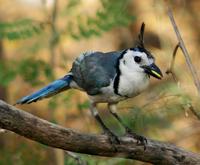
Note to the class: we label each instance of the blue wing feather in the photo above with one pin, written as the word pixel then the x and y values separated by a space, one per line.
pixel 53 88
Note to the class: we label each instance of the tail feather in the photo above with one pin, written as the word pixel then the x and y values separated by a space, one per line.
pixel 53 88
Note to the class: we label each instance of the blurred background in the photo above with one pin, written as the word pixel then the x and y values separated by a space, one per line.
pixel 39 39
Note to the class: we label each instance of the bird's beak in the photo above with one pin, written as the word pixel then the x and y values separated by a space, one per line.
pixel 153 70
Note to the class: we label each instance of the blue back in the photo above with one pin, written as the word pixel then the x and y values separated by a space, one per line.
pixel 92 71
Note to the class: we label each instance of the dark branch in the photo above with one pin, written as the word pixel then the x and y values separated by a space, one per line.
pixel 191 108
pixel 42 131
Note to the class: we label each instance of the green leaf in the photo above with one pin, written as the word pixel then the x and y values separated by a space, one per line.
pixel 114 13
pixel 20 29
pixel 7 74
pixel 84 105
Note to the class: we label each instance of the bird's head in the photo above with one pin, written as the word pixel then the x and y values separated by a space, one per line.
pixel 139 59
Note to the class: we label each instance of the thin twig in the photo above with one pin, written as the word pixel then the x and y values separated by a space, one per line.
pixel 170 70
pixel 76 157
pixel 185 52
pixel 191 108
pixel 187 58
pixel 54 33
pixel 158 98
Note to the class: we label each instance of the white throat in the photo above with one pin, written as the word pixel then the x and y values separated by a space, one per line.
pixel 131 82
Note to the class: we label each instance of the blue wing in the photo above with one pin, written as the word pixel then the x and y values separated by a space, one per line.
pixel 94 70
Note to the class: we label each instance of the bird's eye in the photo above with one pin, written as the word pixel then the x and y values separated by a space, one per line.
pixel 137 59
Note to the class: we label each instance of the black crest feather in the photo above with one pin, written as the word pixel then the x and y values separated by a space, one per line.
pixel 141 36
pixel 140 42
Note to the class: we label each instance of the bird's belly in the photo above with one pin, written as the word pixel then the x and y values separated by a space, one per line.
pixel 107 95
pixel 106 98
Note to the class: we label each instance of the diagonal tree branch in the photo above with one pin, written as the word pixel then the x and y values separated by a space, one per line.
pixel 42 131
pixel 187 58
pixel 185 52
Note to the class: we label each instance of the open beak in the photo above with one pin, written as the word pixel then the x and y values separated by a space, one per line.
pixel 152 70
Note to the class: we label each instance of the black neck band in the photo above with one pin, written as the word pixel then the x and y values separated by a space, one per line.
pixel 117 77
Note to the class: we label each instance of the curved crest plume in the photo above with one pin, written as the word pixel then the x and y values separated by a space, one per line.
pixel 141 36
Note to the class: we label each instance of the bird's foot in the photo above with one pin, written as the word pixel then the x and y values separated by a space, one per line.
pixel 141 140
pixel 114 139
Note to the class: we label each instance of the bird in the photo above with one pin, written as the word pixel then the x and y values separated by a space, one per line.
pixel 107 77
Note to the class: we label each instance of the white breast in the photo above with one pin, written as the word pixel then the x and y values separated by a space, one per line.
pixel 132 83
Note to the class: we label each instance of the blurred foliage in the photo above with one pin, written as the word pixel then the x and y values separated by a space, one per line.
pixel 20 156
pixel 113 13
pixel 58 100
pixel 20 29
pixel 92 160
pixel 29 69
pixel 83 106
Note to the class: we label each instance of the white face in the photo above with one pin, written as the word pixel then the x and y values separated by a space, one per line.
pixel 133 60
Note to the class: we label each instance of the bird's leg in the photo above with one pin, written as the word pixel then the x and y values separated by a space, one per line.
pixel 140 139
pixel 112 137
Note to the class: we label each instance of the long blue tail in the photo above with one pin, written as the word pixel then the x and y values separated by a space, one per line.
pixel 54 88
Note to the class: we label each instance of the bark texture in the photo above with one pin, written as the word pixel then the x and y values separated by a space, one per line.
pixel 42 131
